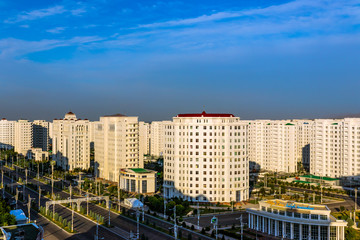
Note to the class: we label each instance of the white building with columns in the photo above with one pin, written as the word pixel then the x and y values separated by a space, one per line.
pixel 71 142
pixel 205 158
pixel 292 220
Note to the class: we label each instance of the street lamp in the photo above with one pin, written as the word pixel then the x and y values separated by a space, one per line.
pixel 52 178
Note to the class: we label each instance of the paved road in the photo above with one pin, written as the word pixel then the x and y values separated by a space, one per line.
pixel 349 201
pixel 85 228
pixel 121 224
pixel 227 219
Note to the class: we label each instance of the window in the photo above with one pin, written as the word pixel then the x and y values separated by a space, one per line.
pixel 314 216
pixel 305 215
pixel 323 217
pixel 289 214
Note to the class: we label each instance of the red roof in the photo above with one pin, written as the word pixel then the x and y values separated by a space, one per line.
pixel 70 113
pixel 115 115
pixel 204 114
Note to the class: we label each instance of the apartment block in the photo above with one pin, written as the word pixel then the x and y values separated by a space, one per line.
pixel 335 148
pixel 41 136
pixel 157 135
pixel 23 136
pixel 116 145
pixel 7 134
pixel 144 138
pixel 71 144
pixel 205 158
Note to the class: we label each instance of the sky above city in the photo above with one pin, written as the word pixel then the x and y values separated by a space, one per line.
pixel 154 59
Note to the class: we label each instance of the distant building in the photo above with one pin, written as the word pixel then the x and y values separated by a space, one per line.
pixel 23 136
pixel 116 145
pixel 38 154
pixel 144 138
pixel 71 145
pixel 7 134
pixel 157 137
pixel 292 220
pixel 279 145
pixel 205 158
pixel 41 135
pixel 335 148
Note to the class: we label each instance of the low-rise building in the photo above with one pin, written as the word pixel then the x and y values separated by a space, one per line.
pixel 138 180
pixel 293 220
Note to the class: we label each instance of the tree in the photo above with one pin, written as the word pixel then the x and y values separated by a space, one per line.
pixel 342 208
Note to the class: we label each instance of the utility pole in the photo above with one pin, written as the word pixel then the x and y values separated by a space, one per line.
pixel 355 199
pixel 198 215
pixel 175 225
pixel 87 203
pixel 39 196
pixel 109 211
pixel 38 173
pixel 26 173
pixel 16 197
pixel 137 223
pixel 119 201
pixel 164 208
pixel 80 183
pixel 52 179
pixel 2 183
pixel 29 206
pixel 72 211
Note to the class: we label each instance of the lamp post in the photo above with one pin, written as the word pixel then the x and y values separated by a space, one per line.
pixel 52 178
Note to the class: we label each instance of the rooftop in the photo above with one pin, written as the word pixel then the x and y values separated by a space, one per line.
pixel 116 115
pixel 204 114
pixel 319 178
pixel 28 231
pixel 295 205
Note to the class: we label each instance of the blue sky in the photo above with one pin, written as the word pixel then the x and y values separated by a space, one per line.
pixel 155 59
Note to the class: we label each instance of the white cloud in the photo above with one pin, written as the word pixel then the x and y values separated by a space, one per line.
pixel 36 14
pixel 56 30
pixel 11 47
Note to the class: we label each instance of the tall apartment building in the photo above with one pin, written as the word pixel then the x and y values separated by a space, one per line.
pixel 41 135
pixel 23 136
pixel 157 138
pixel 205 158
pixel 7 134
pixel 144 138
pixel 116 145
pixel 335 148
pixel 278 145
pixel 272 145
pixel 71 145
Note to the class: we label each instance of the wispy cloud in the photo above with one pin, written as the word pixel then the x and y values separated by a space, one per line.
pixel 56 30
pixel 11 47
pixel 45 12
pixel 36 14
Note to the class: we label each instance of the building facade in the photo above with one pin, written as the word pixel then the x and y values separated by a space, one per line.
pixel 279 145
pixel 335 148
pixel 71 145
pixel 138 180
pixel 205 158
pixel 157 136
pixel 41 136
pixel 298 221
pixel 23 136
pixel 116 145
pixel 7 134
pixel 144 138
